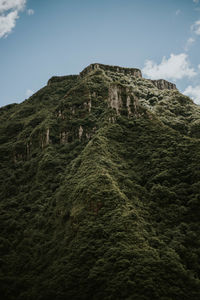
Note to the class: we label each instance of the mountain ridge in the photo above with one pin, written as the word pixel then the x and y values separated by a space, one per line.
pixel 160 83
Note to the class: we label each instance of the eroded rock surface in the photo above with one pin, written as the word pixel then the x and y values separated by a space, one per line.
pixel 162 84
pixel 126 71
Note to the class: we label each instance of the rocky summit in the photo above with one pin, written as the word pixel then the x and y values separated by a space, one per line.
pixel 100 190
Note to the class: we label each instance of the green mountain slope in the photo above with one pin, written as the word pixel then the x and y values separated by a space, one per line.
pixel 100 190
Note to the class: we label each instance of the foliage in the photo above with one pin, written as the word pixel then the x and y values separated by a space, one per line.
pixel 109 211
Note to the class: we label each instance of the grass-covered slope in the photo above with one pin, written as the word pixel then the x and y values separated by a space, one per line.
pixel 100 191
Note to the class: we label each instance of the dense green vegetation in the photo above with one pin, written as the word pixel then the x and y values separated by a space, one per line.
pixel 98 203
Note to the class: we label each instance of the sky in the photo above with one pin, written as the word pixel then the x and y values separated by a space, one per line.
pixel 43 38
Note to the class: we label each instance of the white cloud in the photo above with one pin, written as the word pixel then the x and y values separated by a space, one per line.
pixel 30 12
pixel 199 66
pixel 189 43
pixel 175 67
pixel 178 12
pixel 196 27
pixel 29 93
pixel 196 1
pixel 193 92
pixel 9 13
pixel 7 23
pixel 6 5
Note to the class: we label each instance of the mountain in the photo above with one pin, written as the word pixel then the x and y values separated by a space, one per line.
pixel 100 190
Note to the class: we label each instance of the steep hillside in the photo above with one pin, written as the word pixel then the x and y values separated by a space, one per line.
pixel 100 190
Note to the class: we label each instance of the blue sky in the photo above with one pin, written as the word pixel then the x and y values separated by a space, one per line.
pixel 42 38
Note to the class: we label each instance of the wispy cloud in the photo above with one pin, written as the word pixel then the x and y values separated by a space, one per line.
pixel 189 43
pixel 175 67
pixel 29 93
pixel 196 27
pixel 196 1
pixel 30 12
pixel 193 92
pixel 178 12
pixel 9 13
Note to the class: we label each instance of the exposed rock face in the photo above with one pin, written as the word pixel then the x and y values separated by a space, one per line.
pixel 162 84
pixel 125 71
pixel 123 98
pixel 47 136
pixel 80 132
pixel 128 103
pixel 88 105
pixel 64 137
pixel 115 100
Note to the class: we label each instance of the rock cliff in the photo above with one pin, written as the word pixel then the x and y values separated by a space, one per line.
pixel 126 71
pixel 162 84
